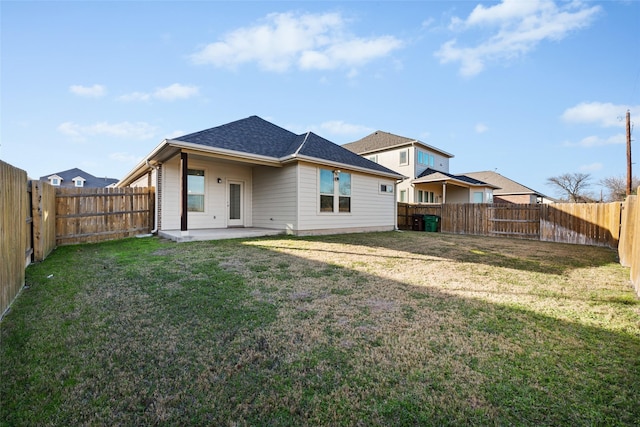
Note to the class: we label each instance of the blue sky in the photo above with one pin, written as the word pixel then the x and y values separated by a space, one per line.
pixel 529 88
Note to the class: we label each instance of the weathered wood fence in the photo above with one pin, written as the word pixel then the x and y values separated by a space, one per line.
pixel 596 224
pixel 15 235
pixel 35 217
pixel 95 214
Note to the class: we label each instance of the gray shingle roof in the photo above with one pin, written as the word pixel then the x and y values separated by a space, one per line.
pixel 255 135
pixel 379 141
pixel 90 180
pixel 443 175
pixel 507 186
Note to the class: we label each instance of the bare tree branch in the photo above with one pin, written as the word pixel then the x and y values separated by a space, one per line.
pixel 573 185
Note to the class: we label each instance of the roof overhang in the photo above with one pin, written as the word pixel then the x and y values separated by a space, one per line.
pixel 339 165
pixel 450 180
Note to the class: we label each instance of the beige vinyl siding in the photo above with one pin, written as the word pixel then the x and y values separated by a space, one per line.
pixel 215 213
pixel 274 197
pixel 370 209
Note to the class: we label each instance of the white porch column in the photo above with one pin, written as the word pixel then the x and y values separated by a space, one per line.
pixel 444 192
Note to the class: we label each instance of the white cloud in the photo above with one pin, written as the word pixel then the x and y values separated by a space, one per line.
pixel 603 114
pixel 518 27
pixel 95 91
pixel 169 93
pixel 591 167
pixel 597 141
pixel 124 130
pixel 338 127
pixel 481 128
pixel 286 40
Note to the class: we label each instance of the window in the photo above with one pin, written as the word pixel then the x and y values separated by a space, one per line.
pixel 344 186
pixel 326 190
pixel 385 188
pixel 55 181
pixel 403 196
pixel 79 183
pixel 404 157
pixel 195 190
pixel 425 159
pixel 373 158
pixel 330 183
pixel 478 197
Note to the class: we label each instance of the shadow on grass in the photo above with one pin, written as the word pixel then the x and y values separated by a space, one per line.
pixel 225 333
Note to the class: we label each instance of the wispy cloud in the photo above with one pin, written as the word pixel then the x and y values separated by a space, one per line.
pixel 604 114
pixel 95 91
pixel 518 27
pixel 338 127
pixel 123 130
pixel 591 167
pixel 168 93
pixel 481 128
pixel 306 41
pixel 598 141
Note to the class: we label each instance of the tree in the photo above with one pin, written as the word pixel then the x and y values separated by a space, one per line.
pixel 573 185
pixel 616 187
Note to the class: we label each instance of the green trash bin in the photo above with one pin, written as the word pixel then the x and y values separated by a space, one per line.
pixel 431 222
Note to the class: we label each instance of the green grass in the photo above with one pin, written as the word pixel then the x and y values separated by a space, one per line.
pixel 364 329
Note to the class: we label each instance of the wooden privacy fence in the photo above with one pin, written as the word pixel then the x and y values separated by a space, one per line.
pixel 629 247
pixel 15 235
pixel 595 224
pixel 96 214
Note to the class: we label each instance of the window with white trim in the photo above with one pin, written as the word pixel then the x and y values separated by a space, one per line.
pixel 404 157
pixel 426 159
pixel 195 190
pixel 386 188
pixel 335 186
pixel 55 182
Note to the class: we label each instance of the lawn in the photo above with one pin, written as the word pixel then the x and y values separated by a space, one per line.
pixel 398 328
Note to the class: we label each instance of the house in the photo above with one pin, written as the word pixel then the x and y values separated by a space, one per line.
pixel 509 191
pixel 77 178
pixel 252 173
pixel 427 168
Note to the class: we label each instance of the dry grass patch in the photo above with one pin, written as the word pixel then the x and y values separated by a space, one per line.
pixel 366 329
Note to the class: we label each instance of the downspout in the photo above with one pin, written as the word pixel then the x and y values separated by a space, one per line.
pixel 155 214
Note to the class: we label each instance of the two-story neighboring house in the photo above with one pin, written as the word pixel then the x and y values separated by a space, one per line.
pixel 77 178
pixel 427 168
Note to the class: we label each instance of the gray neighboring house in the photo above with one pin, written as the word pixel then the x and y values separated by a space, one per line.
pixel 77 178
pixel 509 191
pixel 252 173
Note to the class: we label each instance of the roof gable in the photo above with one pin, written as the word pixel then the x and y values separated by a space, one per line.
pixel 256 136
pixel 252 135
pixel 317 147
pixel 506 185
pixel 381 141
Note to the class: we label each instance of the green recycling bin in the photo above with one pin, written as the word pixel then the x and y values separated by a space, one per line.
pixel 431 222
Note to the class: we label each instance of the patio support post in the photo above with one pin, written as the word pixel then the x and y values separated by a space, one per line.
pixel 183 190
pixel 444 192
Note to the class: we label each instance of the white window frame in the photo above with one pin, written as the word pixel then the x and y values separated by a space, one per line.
pixel 406 155
pixel 55 182
pixel 204 190
pixel 385 188
pixel 336 195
